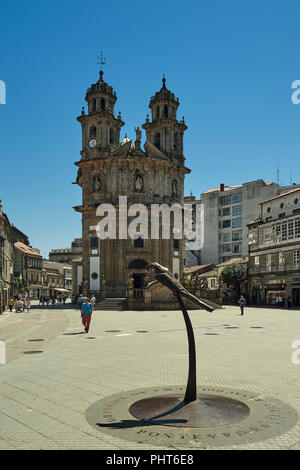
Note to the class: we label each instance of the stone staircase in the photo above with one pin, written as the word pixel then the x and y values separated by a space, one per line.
pixel 113 304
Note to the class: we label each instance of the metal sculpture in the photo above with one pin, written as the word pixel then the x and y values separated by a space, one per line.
pixel 164 276
pixel 203 411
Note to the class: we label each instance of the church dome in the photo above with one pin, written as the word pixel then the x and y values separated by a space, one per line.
pixel 125 140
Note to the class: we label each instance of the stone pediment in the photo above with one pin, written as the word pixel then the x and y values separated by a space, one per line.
pixel 123 150
pixel 153 151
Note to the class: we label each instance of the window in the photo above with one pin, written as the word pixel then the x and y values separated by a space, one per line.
pixel 157 140
pixel 278 232
pixel 176 244
pixel 226 211
pixel 94 242
pixel 237 222
pixel 284 231
pixel 176 141
pixel 226 248
pixel 291 229
pixel 237 248
pixel 166 111
pixel 236 236
pixel 236 198
pixel 269 263
pixel 256 260
pixel 138 242
pixel 157 112
pixel 297 228
pixel 226 223
pixel 93 131
pixel 236 210
pixel 93 105
pixel 111 136
pixel 296 258
pixel 102 104
pixel 212 283
pixel 226 237
pixel 225 200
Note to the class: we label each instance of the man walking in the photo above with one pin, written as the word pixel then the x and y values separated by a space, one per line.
pixel 86 314
pixel 242 303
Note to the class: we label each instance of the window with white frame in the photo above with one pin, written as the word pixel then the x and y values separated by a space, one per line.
pixel 284 231
pixel 256 260
pixel 236 210
pixel 237 222
pixel 297 227
pixel 269 263
pixel 291 229
pixel 296 258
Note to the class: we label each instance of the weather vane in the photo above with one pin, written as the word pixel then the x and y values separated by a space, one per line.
pixel 102 60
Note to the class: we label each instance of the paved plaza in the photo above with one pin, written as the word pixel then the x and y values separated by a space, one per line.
pixel 55 373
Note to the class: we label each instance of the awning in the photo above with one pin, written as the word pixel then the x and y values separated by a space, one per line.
pixel 62 290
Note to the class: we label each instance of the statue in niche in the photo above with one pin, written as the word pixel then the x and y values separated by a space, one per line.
pixel 96 184
pixel 174 188
pixel 138 183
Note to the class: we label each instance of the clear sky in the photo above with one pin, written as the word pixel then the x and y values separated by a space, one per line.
pixel 231 63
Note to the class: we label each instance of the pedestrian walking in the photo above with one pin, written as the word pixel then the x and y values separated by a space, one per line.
pixel 28 304
pixel 80 301
pixel 86 314
pixel 242 303
pixel 93 300
pixel 277 301
pixel 11 304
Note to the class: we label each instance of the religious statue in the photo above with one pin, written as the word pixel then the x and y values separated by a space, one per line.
pixel 96 184
pixel 138 138
pixel 174 188
pixel 138 183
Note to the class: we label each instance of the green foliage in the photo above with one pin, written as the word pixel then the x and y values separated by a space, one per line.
pixel 234 273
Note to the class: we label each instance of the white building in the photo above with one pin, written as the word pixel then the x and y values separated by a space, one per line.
pixel 227 211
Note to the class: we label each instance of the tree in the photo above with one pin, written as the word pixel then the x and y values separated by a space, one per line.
pixel 234 274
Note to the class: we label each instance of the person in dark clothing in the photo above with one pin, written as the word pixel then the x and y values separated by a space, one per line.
pixel 242 303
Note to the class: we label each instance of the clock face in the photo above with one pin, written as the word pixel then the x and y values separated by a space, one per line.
pixel 92 143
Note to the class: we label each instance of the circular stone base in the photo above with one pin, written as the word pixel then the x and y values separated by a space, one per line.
pixel 206 411
pixel 268 418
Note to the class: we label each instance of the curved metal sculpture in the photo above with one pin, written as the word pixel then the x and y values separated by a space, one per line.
pixel 164 276
pixel 206 410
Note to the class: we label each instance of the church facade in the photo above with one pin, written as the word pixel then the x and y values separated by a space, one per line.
pixel 109 168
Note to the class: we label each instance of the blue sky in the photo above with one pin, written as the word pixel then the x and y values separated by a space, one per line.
pixel 230 63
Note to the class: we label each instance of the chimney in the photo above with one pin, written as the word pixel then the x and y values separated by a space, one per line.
pixel 222 187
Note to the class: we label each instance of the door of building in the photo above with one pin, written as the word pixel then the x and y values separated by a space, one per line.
pixel 296 297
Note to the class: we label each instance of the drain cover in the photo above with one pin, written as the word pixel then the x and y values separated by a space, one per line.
pixel 211 333
pixel 231 327
pixel 36 340
pixel 113 331
pixel 256 326
pixel 33 352
pixel 142 331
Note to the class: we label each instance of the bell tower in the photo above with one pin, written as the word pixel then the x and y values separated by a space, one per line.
pixel 100 128
pixel 165 132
